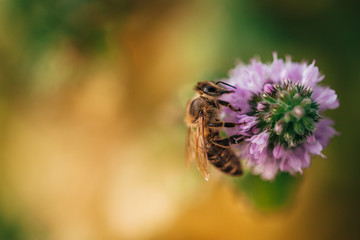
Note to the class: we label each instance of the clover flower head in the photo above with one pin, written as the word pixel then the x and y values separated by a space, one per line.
pixel 282 106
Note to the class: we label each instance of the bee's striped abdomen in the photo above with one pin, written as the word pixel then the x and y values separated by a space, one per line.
pixel 225 160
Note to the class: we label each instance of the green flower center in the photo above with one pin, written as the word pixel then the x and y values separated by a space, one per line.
pixel 287 112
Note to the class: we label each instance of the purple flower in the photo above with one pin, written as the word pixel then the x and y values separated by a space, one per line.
pixel 282 106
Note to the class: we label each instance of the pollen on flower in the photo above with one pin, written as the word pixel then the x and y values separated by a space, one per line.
pixel 283 114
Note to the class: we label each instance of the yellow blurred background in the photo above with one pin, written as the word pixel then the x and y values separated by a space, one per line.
pixel 92 97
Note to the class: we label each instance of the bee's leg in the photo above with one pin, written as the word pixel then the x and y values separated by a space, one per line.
pixel 226 142
pixel 224 124
pixel 227 104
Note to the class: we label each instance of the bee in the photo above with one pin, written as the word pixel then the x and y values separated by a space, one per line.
pixel 203 141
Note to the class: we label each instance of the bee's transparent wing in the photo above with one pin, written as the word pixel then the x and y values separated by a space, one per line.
pixel 201 153
pixel 190 146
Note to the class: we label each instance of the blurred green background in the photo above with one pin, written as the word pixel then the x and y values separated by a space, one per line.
pixel 92 96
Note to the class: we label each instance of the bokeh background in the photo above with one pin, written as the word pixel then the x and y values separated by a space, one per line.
pixel 92 96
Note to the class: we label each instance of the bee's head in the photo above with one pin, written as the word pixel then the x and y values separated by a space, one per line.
pixel 212 89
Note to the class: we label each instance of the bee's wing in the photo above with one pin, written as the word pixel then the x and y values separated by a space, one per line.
pixel 201 153
pixel 190 146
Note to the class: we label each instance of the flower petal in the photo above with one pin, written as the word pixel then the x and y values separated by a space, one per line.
pixel 278 151
pixel 325 97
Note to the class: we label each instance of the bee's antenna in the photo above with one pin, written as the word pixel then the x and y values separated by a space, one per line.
pixel 225 84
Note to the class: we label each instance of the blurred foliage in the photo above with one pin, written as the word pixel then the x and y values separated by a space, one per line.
pixel 10 230
pixel 269 196
pixel 83 22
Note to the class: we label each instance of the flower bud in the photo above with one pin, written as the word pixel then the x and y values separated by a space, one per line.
pixel 297 96
pixel 268 88
pixel 310 138
pixel 306 101
pixel 260 107
pixel 298 112
pixel 283 95
pixel 287 117
pixel 279 126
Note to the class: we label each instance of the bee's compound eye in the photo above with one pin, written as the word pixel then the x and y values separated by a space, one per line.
pixel 209 89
